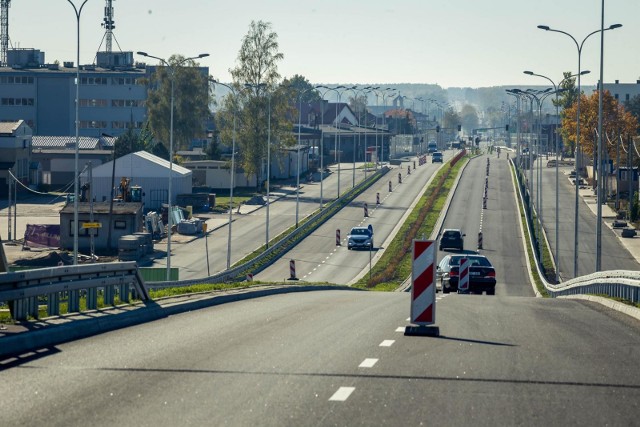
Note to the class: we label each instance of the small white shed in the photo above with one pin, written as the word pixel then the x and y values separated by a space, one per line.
pixel 146 170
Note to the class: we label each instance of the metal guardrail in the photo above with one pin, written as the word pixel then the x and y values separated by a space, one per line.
pixel 313 221
pixel 623 284
pixel 24 290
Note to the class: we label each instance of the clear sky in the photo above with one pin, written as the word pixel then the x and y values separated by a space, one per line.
pixel 454 43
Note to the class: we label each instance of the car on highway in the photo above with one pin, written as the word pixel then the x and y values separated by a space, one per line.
pixel 482 274
pixel 452 238
pixel 437 157
pixel 360 237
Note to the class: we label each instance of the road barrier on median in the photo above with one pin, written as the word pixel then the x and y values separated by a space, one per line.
pixel 292 270
pixel 480 240
pixel 338 237
pixel 366 211
pixel 463 276
pixel 423 283
pixel 377 198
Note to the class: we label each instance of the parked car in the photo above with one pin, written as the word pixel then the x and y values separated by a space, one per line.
pixel 452 239
pixel 482 275
pixel 437 157
pixel 360 237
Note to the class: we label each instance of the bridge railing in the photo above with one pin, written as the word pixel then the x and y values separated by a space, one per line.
pixel 624 284
pixel 24 291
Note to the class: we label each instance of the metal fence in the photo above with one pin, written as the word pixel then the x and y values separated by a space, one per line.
pixel 624 284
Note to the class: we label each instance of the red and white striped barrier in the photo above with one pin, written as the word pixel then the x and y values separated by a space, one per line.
pixel 423 283
pixel 463 276
pixel 292 270
pixel 389 186
pixel 377 198
pixel 366 210
pixel 409 170
pixel 338 237
pixel 249 277
pixel 400 178
pixel 480 240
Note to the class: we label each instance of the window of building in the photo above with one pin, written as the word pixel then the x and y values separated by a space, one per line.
pixel 120 224
pixel 93 124
pixel 93 102
pixel 27 102
pixel 626 97
pixel 90 81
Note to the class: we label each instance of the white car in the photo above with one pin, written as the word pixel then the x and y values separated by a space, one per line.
pixel 360 237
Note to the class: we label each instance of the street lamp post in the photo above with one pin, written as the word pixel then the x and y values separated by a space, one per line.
pixel 257 87
pixel 172 72
pixel 233 167
pixel 577 162
pixel 557 146
pixel 78 12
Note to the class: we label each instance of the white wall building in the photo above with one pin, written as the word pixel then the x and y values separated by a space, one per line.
pixel 146 170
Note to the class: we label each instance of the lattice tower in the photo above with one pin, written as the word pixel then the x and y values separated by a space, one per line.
pixel 4 31
pixel 108 24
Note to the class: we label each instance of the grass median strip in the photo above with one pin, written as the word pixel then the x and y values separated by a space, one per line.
pixel 395 264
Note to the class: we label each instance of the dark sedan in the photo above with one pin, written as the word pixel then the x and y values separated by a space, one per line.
pixel 482 275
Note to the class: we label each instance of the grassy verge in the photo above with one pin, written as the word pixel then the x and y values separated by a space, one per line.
pixel 532 260
pixel 395 264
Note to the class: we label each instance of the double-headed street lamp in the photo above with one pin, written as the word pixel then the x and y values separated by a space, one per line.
pixel 78 12
pixel 172 73
pixel 557 146
pixel 577 162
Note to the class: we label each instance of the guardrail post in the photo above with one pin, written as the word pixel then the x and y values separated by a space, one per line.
pixel 53 304
pixel 92 299
pixel 109 295
pixel 32 307
pixel 124 292
pixel 73 301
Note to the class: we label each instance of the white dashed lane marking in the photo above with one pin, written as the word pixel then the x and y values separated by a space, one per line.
pixel 401 328
pixel 368 363
pixel 342 394
pixel 387 343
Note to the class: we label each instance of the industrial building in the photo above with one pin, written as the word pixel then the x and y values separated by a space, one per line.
pixel 145 170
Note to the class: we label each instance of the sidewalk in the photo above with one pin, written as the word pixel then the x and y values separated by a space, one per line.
pixel 632 244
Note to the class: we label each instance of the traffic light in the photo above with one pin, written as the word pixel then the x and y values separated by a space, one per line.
pixel 438 128
pixel 459 128
pixel 506 128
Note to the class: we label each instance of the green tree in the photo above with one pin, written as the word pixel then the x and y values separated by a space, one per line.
pixel 301 85
pixel 256 94
pixel 191 102
pixel 570 94
pixel 451 119
pixel 132 141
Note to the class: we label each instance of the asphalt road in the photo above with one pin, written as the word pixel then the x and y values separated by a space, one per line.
pixel 614 255
pixel 248 231
pixel 341 358
pixel 319 259
pixel 501 234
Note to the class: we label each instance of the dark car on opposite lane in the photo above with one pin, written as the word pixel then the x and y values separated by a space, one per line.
pixel 482 274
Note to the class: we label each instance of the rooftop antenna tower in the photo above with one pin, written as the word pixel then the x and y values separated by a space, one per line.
pixel 108 24
pixel 4 31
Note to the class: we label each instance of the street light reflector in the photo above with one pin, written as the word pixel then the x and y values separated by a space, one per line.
pixel 582 73
pixel 203 55
pixel 544 27
pixel 614 26
pixel 528 72
pixel 143 53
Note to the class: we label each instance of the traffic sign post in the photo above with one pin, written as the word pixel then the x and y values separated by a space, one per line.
pixel 463 276
pixel 423 289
